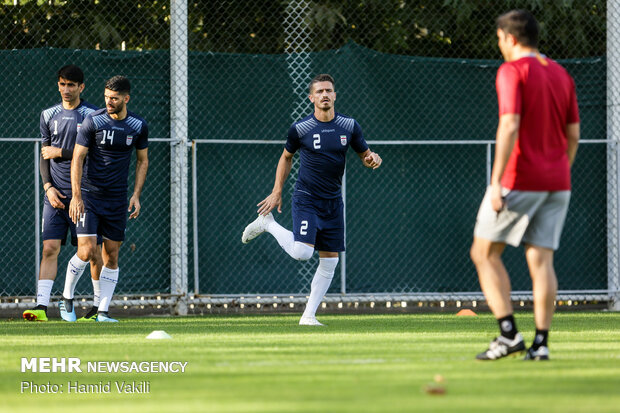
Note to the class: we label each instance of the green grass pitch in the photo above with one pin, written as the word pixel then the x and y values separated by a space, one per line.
pixel 359 363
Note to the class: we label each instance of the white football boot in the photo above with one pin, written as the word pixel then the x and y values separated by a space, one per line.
pixel 256 227
pixel 310 321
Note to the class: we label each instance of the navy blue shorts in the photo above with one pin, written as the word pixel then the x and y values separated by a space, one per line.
pixel 106 217
pixel 319 222
pixel 56 222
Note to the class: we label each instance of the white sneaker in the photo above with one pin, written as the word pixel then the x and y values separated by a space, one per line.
pixel 310 321
pixel 256 227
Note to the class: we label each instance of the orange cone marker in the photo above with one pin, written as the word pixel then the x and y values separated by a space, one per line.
pixel 466 312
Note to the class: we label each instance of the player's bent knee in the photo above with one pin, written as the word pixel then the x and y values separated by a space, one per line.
pixel 86 252
pixel 50 250
pixel 302 252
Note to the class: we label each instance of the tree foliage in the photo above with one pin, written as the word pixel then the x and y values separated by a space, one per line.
pixel 443 28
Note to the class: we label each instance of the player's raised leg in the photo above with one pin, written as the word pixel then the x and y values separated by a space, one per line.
pixel 298 250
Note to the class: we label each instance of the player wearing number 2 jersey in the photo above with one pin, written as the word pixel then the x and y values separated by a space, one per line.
pixel 322 139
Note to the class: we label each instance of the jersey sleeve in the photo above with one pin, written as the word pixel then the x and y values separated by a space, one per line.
pixel 573 108
pixel 293 142
pixel 358 143
pixel 46 136
pixel 508 90
pixel 143 137
pixel 87 132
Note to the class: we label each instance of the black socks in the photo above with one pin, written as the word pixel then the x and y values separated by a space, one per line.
pixel 540 339
pixel 507 326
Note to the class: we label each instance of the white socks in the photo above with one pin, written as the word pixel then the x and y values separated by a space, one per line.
pixel 44 289
pixel 75 269
pixel 107 281
pixel 96 292
pixel 297 250
pixel 320 284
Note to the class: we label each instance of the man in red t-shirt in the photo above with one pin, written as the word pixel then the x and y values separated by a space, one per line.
pixel 527 200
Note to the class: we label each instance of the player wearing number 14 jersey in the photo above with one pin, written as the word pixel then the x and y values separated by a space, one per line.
pixel 99 205
pixel 322 140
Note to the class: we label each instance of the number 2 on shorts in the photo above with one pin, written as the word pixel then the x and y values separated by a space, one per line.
pixel 304 227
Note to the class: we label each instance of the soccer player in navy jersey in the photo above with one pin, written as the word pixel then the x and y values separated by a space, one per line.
pixel 59 125
pixel 106 140
pixel 322 139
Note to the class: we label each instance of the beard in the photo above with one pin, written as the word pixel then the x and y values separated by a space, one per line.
pixel 114 110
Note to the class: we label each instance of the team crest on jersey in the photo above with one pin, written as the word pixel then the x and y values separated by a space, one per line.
pixel 79 125
pixel 129 139
pixel 343 140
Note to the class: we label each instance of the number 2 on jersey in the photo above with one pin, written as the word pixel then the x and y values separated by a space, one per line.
pixel 317 141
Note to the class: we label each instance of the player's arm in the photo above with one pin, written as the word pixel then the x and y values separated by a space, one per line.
pixel 52 152
pixel 507 134
pixel 370 159
pixel 572 135
pixel 76 207
pixel 573 131
pixel 275 198
pixel 53 195
pixel 44 163
pixel 142 166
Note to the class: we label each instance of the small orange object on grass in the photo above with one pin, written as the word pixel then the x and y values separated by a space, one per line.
pixel 466 312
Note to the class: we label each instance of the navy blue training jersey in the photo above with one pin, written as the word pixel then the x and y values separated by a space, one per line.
pixel 110 144
pixel 323 148
pixel 59 128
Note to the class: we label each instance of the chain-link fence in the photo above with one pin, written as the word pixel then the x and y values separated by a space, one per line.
pixel 232 76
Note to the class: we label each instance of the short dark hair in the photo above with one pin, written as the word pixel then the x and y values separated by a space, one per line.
pixel 522 25
pixel 72 73
pixel 118 84
pixel 323 77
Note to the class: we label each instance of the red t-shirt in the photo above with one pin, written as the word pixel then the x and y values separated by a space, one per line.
pixel 543 93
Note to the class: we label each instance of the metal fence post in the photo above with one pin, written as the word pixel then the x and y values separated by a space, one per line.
pixel 178 156
pixel 195 216
pixel 489 163
pixel 37 219
pixel 343 254
pixel 613 155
